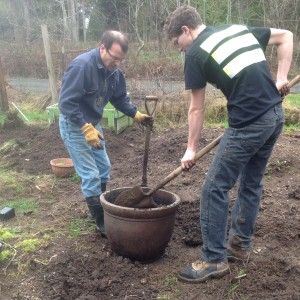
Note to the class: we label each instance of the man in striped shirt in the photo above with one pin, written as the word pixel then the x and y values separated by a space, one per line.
pixel 231 57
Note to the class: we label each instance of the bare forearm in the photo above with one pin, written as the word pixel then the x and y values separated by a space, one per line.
pixel 283 39
pixel 196 120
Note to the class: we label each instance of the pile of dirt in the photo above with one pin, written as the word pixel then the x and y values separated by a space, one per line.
pixel 85 267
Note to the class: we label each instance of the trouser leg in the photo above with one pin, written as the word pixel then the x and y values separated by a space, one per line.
pixel 238 149
pixel 247 203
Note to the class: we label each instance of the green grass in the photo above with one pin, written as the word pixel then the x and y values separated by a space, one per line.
pixel 21 205
pixel 2 117
pixel 79 226
pixel 293 100
pixel 291 129
pixel 8 180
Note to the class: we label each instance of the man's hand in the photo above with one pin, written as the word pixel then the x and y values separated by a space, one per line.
pixel 282 86
pixel 188 159
pixel 92 135
pixel 144 119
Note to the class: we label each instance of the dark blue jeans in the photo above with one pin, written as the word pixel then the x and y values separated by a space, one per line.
pixel 92 165
pixel 242 155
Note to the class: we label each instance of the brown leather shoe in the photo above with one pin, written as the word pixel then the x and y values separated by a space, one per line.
pixel 235 255
pixel 201 271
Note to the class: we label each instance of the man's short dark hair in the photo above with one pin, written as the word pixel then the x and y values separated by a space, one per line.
pixel 110 36
pixel 183 16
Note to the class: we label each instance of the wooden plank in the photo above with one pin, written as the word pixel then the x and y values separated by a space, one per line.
pixel 3 95
pixel 50 66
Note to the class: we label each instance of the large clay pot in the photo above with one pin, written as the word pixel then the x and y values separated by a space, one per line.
pixel 140 234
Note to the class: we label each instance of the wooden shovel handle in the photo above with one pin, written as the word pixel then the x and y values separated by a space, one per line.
pixel 176 172
pixel 294 81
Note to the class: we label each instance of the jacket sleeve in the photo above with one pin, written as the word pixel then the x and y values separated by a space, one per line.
pixel 72 90
pixel 120 99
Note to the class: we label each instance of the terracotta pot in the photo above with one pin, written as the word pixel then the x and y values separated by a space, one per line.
pixel 62 167
pixel 140 234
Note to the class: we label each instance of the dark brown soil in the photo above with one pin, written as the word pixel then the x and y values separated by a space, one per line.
pixel 84 267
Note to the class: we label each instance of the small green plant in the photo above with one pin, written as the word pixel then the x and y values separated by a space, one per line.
pixel 75 177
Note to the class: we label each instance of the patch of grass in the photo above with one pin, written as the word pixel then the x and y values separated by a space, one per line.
pixel 291 129
pixel 2 117
pixel 79 226
pixel 171 282
pixel 293 100
pixel 231 290
pixel 23 205
pixel 10 181
pixel 9 146
pixel 75 177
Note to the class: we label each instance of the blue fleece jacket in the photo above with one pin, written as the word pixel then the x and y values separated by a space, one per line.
pixel 88 85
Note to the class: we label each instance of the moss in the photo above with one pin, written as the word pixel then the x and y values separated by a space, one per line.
pixel 29 245
pixel 5 254
pixel 6 234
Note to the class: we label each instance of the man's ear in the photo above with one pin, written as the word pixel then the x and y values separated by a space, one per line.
pixel 102 48
pixel 185 29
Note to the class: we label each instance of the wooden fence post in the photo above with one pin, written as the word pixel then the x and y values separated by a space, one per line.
pixel 3 95
pixel 50 67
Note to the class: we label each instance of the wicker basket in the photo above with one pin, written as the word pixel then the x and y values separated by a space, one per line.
pixel 62 167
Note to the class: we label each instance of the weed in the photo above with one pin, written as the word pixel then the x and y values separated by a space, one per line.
pixel 75 177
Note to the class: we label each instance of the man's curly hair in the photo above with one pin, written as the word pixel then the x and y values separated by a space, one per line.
pixel 183 15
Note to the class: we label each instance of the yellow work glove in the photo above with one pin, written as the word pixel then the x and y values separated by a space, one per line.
pixel 143 118
pixel 92 135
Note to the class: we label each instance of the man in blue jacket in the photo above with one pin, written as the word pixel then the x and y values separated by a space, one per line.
pixel 232 58
pixel 90 81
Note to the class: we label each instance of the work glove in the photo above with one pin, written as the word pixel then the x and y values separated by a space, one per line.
pixel 143 119
pixel 92 135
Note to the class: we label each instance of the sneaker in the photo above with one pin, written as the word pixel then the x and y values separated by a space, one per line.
pixel 200 271
pixel 235 255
